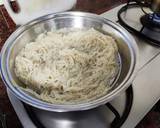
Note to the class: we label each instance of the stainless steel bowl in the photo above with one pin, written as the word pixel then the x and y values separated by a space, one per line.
pixel 26 33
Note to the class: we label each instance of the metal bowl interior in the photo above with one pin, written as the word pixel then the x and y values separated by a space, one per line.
pixel 24 34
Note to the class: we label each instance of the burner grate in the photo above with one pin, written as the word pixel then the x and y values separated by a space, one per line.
pixel 150 23
pixel 116 123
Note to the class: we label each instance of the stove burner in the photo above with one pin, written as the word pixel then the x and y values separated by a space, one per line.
pixel 117 122
pixel 155 17
pixel 151 21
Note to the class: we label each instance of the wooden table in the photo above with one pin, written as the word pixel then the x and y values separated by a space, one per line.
pixel 7 26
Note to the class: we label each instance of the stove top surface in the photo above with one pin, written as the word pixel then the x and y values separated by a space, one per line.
pixel 146 89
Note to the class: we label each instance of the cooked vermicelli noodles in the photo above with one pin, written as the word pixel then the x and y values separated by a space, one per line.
pixel 68 66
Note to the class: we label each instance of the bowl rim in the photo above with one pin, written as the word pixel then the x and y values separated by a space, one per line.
pixel 7 78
